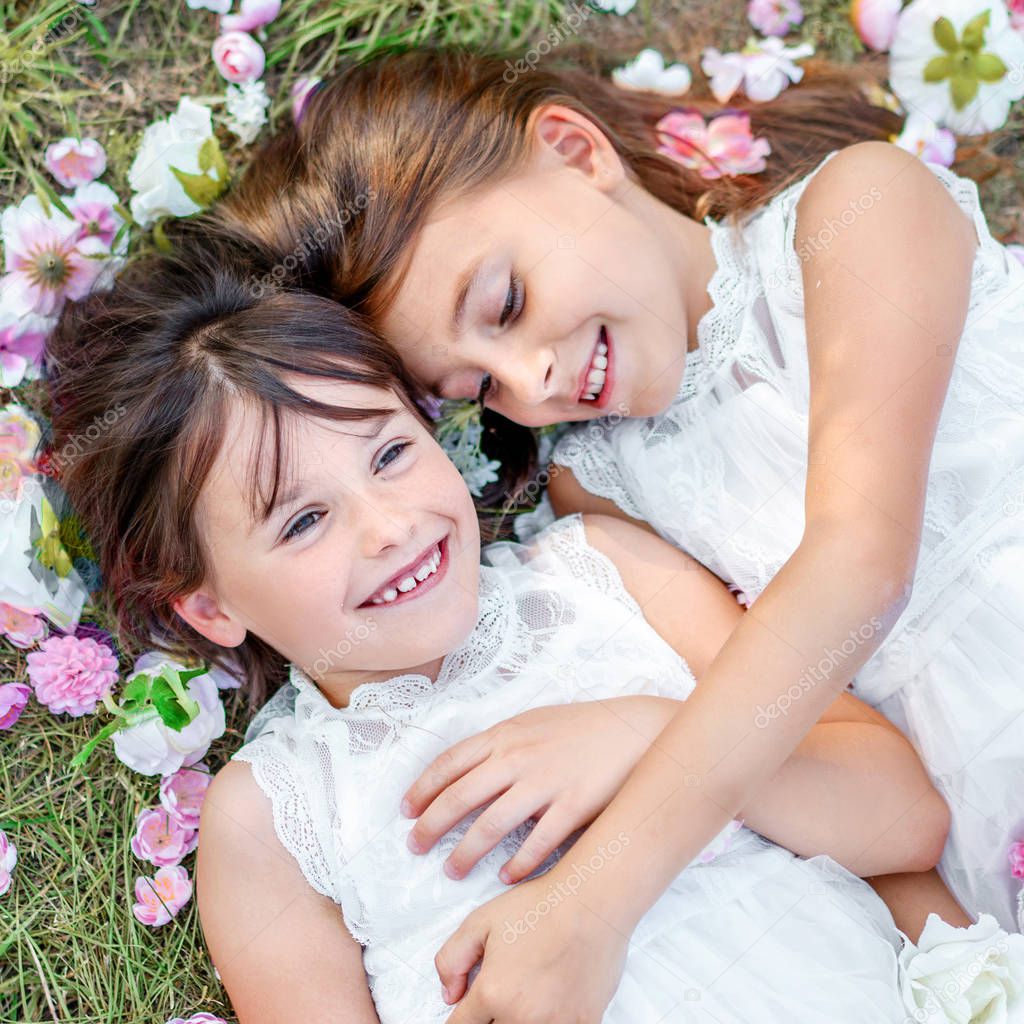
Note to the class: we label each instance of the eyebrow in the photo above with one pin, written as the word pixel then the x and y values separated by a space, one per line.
pixel 466 282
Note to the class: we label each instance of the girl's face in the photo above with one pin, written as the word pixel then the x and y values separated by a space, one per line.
pixel 564 293
pixel 367 566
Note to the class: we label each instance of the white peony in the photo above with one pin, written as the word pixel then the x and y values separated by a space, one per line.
pixel 614 6
pixel 173 142
pixel 247 109
pixel 965 81
pixel 647 73
pixel 959 975
pixel 152 748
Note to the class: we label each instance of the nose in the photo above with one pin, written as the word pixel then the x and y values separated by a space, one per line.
pixel 528 375
pixel 386 524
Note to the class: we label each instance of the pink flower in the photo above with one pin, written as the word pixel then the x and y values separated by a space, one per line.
pixel 1016 8
pixel 1017 859
pixel 723 146
pixel 71 674
pixel 198 1018
pixel 161 839
pixel 21 350
pixel 159 898
pixel 75 162
pixel 774 17
pixel 252 14
pixel 763 68
pixel 875 21
pixel 239 58
pixel 8 858
pixel 45 259
pixel 22 628
pixel 13 698
pixel 924 138
pixel 301 92
pixel 92 206
pixel 182 794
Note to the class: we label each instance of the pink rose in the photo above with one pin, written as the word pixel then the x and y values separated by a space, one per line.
pixel 159 898
pixel 8 858
pixel 774 17
pixel 239 58
pixel 13 698
pixel 182 794
pixel 252 14
pixel 72 674
pixel 722 146
pixel 301 92
pixel 75 162
pixel 875 21
pixel 160 839
pixel 198 1018
pixel 1017 859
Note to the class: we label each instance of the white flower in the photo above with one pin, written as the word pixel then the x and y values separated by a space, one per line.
pixel 924 138
pixel 247 106
pixel 152 748
pixel 763 67
pixel 958 62
pixel 175 142
pixel 959 975
pixel 614 6
pixel 647 73
pixel 217 6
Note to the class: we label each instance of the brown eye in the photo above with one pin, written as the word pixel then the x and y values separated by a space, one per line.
pixel 513 300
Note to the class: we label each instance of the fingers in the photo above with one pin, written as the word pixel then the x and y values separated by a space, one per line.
pixel 458 759
pixel 457 957
pixel 485 783
pixel 493 824
pixel 551 830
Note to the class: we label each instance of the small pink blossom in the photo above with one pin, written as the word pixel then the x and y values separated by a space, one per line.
pixel 724 146
pixel 161 839
pixel 252 15
pixel 72 674
pixel 8 858
pixel 875 21
pixel 925 139
pixel 159 898
pixel 763 68
pixel 1017 859
pixel 301 92
pixel 92 206
pixel 1016 8
pixel 182 794
pixel 239 58
pixel 22 628
pixel 21 350
pixel 198 1018
pixel 774 17
pixel 75 162
pixel 13 699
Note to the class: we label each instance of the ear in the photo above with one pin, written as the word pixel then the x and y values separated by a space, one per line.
pixel 563 136
pixel 202 612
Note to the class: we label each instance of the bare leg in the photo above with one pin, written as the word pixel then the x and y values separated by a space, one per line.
pixel 912 897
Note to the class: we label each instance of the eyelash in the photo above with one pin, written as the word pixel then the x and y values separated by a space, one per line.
pixel 397 448
pixel 515 294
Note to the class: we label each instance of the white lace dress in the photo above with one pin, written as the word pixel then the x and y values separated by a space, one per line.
pixel 748 932
pixel 721 474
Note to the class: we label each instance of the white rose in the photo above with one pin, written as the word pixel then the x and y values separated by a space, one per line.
pixel 172 142
pixel 958 975
pixel 152 748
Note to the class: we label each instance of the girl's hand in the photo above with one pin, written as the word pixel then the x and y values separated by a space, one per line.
pixel 561 764
pixel 549 960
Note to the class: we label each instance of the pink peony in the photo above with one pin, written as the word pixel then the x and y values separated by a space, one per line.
pixel 252 15
pixel 722 146
pixel 72 674
pixel 1017 859
pixel 161 839
pixel 875 21
pixel 182 794
pixel 13 698
pixel 159 898
pixel 8 858
pixel 239 58
pixel 774 17
pixel 198 1018
pixel 75 162
pixel 301 92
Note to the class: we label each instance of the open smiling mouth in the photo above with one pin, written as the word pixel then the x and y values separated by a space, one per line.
pixel 596 384
pixel 415 579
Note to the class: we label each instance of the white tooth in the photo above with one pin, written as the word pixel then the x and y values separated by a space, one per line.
pixel 407 584
pixel 600 363
pixel 389 595
pixel 602 348
pixel 596 377
pixel 423 572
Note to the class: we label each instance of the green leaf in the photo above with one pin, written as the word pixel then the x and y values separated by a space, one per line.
pixel 163 243
pixel 938 68
pixel 166 702
pixel 963 89
pixel 990 67
pixel 200 188
pixel 211 158
pixel 136 692
pixel 108 730
pixel 47 196
pixel 945 35
pixel 974 31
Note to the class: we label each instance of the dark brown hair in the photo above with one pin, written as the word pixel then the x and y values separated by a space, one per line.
pixel 155 363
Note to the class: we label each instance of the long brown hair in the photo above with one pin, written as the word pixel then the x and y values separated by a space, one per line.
pixel 154 363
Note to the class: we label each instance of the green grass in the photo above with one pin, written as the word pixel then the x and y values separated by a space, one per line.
pixel 70 949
